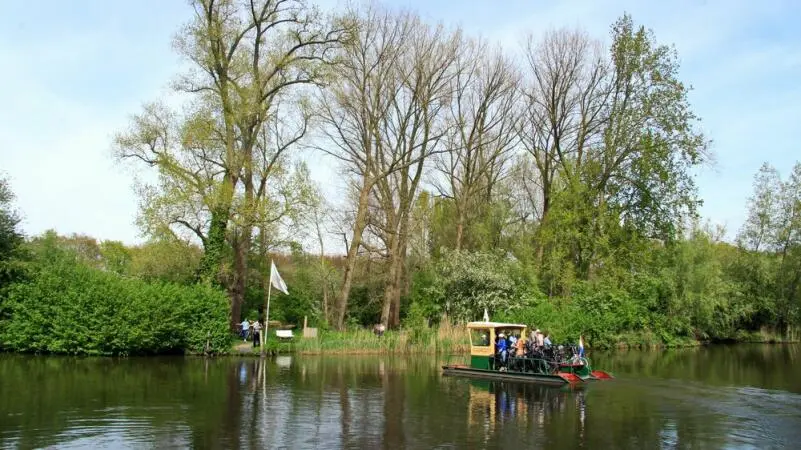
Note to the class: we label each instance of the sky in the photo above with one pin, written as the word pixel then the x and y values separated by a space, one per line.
pixel 74 72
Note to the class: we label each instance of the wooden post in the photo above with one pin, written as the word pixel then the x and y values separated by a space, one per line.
pixel 304 323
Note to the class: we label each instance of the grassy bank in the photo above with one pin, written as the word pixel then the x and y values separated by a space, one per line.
pixel 650 340
pixel 442 340
pixel 455 340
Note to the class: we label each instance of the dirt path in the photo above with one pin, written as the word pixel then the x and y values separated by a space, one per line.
pixel 243 348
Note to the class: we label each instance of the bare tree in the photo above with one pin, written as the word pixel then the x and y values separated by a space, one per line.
pixel 484 116
pixel 615 134
pixel 565 107
pixel 351 111
pixel 415 126
pixel 381 118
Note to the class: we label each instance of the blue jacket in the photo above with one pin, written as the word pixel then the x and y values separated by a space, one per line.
pixel 500 345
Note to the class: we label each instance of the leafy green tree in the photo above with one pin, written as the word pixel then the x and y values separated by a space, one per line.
pixel 116 257
pixel 10 237
pixel 613 141
pixel 303 299
pixel 461 284
pixel 165 259
pixel 774 226
pixel 704 299
pixel 763 205
pixel 651 140
pixel 218 157
pixel 81 248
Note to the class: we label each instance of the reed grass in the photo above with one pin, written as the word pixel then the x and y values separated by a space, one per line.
pixel 450 339
pixel 444 339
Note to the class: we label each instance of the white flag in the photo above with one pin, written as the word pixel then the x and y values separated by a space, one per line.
pixel 486 316
pixel 276 280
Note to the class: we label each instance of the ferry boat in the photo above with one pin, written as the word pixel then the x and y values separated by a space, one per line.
pixel 558 364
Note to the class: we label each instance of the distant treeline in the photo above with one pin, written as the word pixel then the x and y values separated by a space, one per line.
pixel 556 189
pixel 72 294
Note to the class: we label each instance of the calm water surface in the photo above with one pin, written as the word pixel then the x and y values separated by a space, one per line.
pixel 746 396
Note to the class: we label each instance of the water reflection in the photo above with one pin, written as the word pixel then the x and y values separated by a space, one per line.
pixel 766 366
pixel 370 402
pixel 492 404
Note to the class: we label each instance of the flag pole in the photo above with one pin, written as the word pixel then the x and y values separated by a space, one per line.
pixel 267 308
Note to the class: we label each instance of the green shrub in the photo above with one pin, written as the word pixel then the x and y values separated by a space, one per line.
pixel 69 308
pixel 462 284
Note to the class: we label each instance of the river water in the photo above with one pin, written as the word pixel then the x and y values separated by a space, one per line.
pixel 744 396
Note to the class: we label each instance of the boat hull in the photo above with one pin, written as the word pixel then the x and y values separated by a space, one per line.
pixel 601 375
pixel 528 377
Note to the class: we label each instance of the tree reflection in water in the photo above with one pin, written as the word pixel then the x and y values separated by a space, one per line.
pixel 706 398
pixel 527 405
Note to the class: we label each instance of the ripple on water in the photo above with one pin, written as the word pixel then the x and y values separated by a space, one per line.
pixel 116 428
pixel 374 403
pixel 752 417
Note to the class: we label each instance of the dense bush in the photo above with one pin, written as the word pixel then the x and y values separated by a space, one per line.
pixel 68 308
pixel 462 284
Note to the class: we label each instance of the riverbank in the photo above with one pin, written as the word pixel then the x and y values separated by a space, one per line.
pixel 442 340
pixel 427 342
pixel 455 340
pixel 649 340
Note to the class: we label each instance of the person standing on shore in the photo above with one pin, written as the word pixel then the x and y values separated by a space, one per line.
pixel 245 330
pixel 256 333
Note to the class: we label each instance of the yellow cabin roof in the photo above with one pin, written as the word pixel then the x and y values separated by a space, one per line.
pixel 495 325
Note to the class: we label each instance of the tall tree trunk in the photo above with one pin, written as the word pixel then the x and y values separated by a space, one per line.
pixel 242 244
pixel 265 277
pixel 239 282
pixel 323 272
pixel 459 228
pixel 403 240
pixel 350 261
pixel 325 303
pixel 221 211
pixel 396 305
pixel 215 243
pixel 391 289
pixel 546 206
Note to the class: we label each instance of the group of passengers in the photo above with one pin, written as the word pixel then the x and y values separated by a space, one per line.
pixel 515 345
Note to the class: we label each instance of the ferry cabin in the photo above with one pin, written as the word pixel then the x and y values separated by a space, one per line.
pixel 482 341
